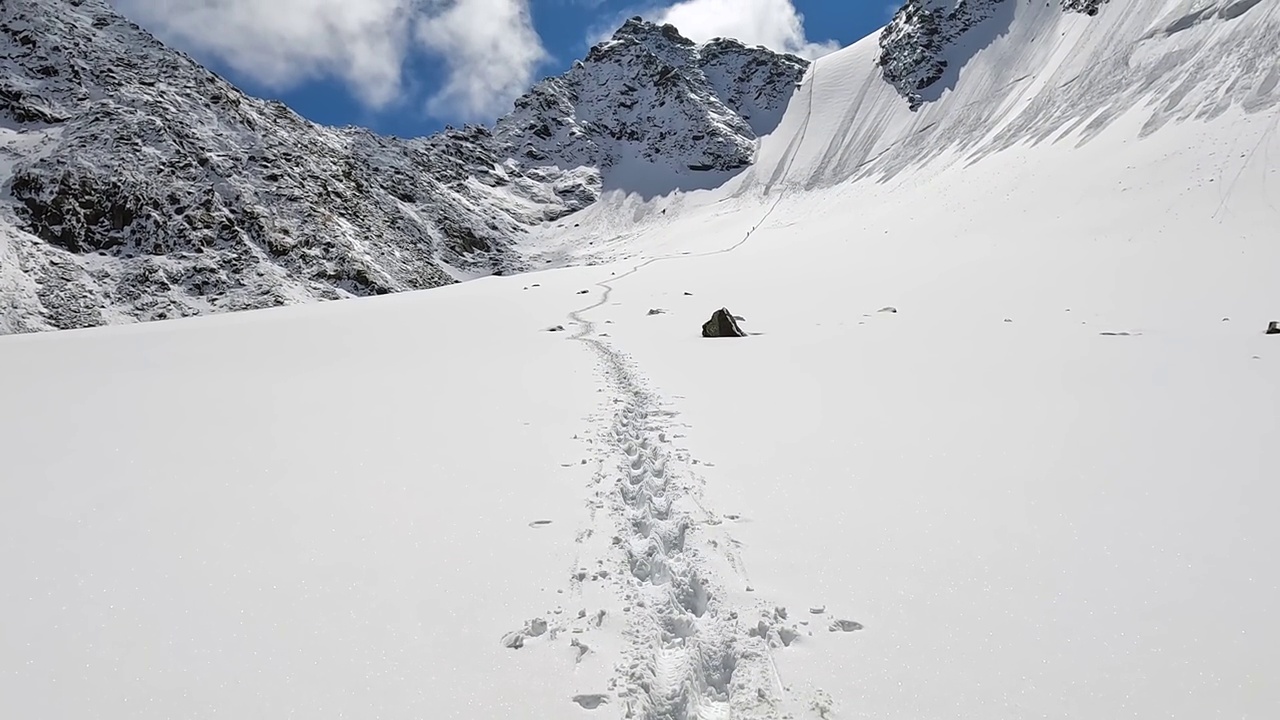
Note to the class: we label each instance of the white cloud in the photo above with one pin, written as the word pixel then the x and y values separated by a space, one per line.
pixel 776 24
pixel 488 48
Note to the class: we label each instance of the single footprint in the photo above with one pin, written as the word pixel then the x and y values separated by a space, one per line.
pixel 845 626
pixel 532 629
pixel 591 701
pixel 787 635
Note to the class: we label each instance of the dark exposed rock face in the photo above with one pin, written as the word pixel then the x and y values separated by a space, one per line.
pixel 915 45
pixel 136 185
pixel 722 324
pixel 1087 7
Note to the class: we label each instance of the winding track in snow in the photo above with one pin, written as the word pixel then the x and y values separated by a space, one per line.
pixel 692 656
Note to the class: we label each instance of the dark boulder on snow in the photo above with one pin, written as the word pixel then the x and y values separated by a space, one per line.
pixel 1274 328
pixel 722 324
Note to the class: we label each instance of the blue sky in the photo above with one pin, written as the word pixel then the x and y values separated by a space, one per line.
pixel 408 67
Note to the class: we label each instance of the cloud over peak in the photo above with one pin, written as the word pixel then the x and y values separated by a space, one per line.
pixel 487 51
pixel 488 48
pixel 775 24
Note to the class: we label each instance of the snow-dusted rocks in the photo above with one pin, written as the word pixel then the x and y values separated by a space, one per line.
pixel 147 187
pixel 138 185
pixel 914 45
pixel 1088 7
pixel 926 38
pixel 649 93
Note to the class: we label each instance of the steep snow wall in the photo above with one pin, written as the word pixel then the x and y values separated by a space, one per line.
pixel 1048 76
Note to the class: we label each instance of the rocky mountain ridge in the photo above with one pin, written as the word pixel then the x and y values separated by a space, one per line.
pixel 142 186
pixel 728 93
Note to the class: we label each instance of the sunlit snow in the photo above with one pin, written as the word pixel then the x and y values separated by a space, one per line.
pixel 1044 487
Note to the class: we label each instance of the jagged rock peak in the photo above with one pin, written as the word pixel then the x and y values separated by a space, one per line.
pixel 639 28
pixel 651 94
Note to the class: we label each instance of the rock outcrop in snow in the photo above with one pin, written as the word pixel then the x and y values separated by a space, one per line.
pixel 914 44
pixel 1087 7
pixel 142 186
pixel 918 43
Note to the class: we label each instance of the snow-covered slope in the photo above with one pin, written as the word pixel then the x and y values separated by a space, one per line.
pixel 1042 487
pixel 141 186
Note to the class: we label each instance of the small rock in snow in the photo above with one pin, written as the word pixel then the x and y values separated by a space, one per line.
pixel 592 701
pixel 1273 328
pixel 722 324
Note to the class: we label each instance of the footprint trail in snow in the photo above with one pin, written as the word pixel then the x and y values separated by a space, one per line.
pixel 689 654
